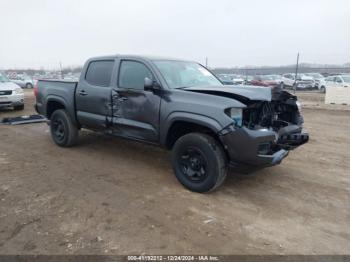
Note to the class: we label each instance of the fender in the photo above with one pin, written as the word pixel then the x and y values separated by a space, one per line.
pixel 206 121
pixel 69 108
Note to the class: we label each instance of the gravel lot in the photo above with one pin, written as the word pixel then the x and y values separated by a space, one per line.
pixel 112 196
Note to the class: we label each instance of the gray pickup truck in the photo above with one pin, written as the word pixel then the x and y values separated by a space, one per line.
pixel 181 106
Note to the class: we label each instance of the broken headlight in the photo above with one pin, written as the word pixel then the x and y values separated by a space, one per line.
pixel 235 114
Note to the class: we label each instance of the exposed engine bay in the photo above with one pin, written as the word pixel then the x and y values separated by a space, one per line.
pixel 267 108
pixel 281 114
pixel 273 114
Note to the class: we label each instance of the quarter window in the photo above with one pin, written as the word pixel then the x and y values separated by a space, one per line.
pixel 99 73
pixel 132 75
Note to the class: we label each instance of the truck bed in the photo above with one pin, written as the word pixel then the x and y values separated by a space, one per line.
pixel 56 90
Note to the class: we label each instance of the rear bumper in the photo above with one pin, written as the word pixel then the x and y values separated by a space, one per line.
pixel 250 150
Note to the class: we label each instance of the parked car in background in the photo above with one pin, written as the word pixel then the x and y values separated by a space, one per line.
pixel 338 89
pixel 248 79
pixel 11 95
pixel 237 79
pixel 288 80
pixel 23 81
pixel 320 82
pixel 225 79
pixel 301 82
pixel 265 80
pixel 338 81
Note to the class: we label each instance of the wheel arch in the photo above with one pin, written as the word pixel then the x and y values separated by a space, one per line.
pixel 179 124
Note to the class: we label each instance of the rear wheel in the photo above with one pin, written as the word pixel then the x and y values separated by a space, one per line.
pixel 323 89
pixel 29 85
pixel 199 162
pixel 64 133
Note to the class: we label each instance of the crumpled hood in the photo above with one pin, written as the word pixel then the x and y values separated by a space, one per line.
pixel 8 86
pixel 237 92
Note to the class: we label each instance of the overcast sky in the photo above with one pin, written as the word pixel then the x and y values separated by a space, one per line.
pixel 41 33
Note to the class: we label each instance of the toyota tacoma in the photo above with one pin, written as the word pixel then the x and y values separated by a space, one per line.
pixel 179 105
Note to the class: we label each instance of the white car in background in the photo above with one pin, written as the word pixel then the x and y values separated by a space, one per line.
pixel 338 89
pixel 23 81
pixel 320 81
pixel 11 95
pixel 301 82
pixel 237 79
pixel 338 81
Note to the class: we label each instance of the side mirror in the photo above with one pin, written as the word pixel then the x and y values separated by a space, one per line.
pixel 150 85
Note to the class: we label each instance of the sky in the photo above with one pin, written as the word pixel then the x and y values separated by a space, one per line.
pixel 45 33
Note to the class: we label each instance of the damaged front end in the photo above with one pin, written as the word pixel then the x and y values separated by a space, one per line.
pixel 282 115
pixel 269 129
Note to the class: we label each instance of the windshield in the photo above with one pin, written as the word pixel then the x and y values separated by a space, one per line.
pixel 346 79
pixel 180 74
pixel 3 78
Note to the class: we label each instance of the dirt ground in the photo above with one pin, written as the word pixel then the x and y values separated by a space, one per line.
pixel 112 196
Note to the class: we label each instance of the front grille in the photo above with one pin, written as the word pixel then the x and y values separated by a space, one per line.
pixel 6 92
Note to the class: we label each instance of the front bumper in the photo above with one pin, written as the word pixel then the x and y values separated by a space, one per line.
pixel 250 150
pixel 11 100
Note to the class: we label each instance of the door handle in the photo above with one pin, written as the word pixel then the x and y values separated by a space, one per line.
pixel 82 93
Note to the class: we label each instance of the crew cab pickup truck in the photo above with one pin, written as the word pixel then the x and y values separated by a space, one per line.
pixel 179 105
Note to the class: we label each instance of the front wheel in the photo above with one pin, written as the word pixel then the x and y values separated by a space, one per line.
pixel 64 133
pixel 29 85
pixel 199 162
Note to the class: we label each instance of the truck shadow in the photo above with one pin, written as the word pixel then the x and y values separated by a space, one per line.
pixel 158 159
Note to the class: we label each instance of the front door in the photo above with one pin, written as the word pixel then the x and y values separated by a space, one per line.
pixel 135 111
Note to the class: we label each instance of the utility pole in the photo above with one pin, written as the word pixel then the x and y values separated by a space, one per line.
pixel 206 62
pixel 61 70
pixel 296 73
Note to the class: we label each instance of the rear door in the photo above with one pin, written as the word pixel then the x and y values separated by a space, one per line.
pixel 136 111
pixel 93 94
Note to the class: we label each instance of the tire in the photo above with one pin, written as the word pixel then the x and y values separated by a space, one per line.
pixel 199 162
pixel 323 89
pixel 29 85
pixel 63 132
pixel 21 107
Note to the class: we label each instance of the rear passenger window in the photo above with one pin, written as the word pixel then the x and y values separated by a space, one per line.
pixel 132 74
pixel 99 73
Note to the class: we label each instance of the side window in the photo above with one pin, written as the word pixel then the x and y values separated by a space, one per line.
pixel 132 75
pixel 99 73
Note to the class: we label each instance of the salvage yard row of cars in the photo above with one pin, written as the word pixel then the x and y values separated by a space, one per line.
pixel 304 81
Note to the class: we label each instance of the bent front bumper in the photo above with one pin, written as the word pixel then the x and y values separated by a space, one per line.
pixel 256 149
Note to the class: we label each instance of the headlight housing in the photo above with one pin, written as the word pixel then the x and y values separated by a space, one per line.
pixel 236 114
pixel 18 91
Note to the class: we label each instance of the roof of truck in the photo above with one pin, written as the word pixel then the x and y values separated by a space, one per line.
pixel 146 57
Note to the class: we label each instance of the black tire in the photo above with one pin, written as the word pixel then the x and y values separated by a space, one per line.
pixel 323 89
pixel 29 85
pixel 21 107
pixel 199 162
pixel 63 132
